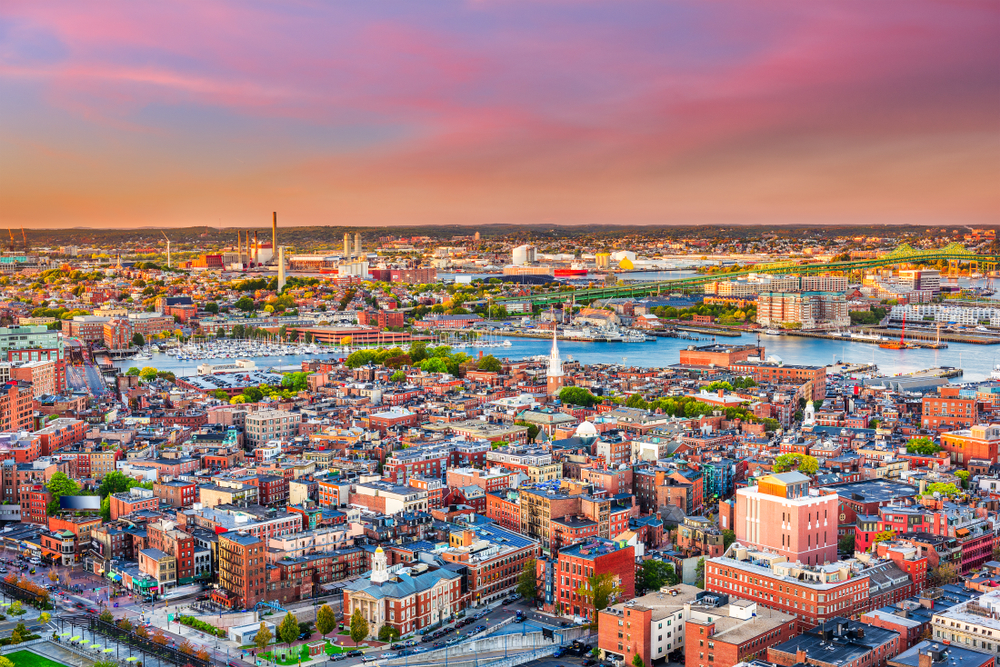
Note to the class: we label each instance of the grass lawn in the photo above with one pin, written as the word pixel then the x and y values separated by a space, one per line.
pixel 29 659
pixel 303 650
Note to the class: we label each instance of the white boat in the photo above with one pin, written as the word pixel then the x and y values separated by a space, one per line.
pixel 981 328
pixel 771 332
pixel 142 357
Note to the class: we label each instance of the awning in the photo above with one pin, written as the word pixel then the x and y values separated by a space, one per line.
pixel 114 576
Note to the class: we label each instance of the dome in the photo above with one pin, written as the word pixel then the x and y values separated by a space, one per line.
pixel 586 430
pixel 379 550
pixel 626 264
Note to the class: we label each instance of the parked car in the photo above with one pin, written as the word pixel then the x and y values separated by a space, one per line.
pixel 337 657
pixel 355 653
pixel 558 653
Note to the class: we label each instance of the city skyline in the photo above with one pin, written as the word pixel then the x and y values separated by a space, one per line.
pixel 484 113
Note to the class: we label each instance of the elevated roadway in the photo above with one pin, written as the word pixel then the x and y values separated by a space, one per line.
pixel 954 254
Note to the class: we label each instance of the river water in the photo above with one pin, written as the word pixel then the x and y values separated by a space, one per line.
pixel 976 360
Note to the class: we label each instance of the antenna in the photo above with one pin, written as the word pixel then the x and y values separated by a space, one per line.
pixel 168 247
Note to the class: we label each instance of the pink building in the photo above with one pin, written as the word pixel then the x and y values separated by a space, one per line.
pixel 782 514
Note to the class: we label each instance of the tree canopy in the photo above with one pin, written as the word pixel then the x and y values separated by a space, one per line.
pixel 805 464
pixel 359 627
pixel 60 485
pixel 922 446
pixel 577 396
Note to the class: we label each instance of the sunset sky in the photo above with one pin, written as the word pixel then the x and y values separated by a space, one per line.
pixel 193 112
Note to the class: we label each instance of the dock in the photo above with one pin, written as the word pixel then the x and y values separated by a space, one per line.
pixel 889 338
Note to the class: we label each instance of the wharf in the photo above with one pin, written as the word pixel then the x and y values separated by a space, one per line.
pixel 920 336
pixel 709 331
pixel 890 339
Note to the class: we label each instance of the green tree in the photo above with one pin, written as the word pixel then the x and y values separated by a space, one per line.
pixel 527 585
pixel 115 482
pixel 326 620
pixel 964 476
pixel 288 631
pixel 387 633
pixel 106 616
pixel 804 463
pixel 252 394
pixel 245 304
pixel 577 396
pixel 148 373
pixel 106 509
pixel 359 627
pixel 18 634
pixel 212 307
pixel 295 382
pixel 699 573
pixel 728 537
pixel 490 364
pixel 846 544
pixel 60 485
pixel 637 661
pixel 132 372
pixel 944 488
pixel 16 608
pixel 263 637
pixel 654 574
pixel 398 376
pixel 138 339
pixel 434 365
pixel 598 591
pixel 922 446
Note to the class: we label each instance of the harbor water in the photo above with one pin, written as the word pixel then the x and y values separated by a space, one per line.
pixel 976 361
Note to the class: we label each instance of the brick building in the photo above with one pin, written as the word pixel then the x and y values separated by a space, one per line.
pixel 812 310
pixel 569 571
pixel 118 334
pixel 720 355
pixel 242 561
pixel 981 442
pixel 784 515
pixel 773 373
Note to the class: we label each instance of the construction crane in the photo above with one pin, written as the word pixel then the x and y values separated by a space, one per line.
pixel 11 239
pixel 168 247
pixel 25 237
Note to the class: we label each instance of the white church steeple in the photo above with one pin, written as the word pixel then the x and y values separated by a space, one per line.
pixel 554 379
pixel 380 567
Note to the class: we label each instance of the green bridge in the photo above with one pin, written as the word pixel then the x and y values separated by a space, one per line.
pixel 954 254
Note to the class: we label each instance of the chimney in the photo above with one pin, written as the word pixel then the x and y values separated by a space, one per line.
pixel 801 657
pixel 256 249
pixel 274 237
pixel 925 659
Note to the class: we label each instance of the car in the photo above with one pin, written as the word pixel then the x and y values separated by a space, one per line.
pixel 91 610
pixel 80 605
pixel 305 635
pixel 203 596
pixel 355 653
pixel 587 662
pixel 410 642
pixel 558 653
pixel 426 638
pixel 337 657
pixel 236 663
pixel 438 644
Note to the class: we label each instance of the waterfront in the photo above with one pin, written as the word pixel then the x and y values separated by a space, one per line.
pixel 974 360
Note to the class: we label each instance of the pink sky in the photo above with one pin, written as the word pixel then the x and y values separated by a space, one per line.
pixel 393 113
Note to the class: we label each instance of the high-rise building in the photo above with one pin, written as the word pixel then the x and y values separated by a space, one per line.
pixel 242 561
pixel 782 514
pixel 811 310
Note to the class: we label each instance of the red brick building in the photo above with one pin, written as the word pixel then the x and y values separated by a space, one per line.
pixel 772 373
pixel 506 513
pixel 118 334
pixel 576 563
pixel 241 570
pixel 948 410
pixel 719 356
pixel 15 407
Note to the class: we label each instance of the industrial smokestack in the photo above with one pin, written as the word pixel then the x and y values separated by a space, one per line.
pixel 256 249
pixel 281 269
pixel 347 246
pixel 239 244
pixel 357 245
pixel 249 253
pixel 274 236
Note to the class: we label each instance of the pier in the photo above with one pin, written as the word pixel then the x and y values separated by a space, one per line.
pixel 888 334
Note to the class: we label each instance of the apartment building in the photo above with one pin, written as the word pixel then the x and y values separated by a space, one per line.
pixel 783 514
pixel 265 425
pixel 810 310
pixel 951 409
pixel 242 563
pixel 495 559
pixel 563 575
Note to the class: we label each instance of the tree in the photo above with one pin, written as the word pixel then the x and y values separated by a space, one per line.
pixel 212 307
pixel 295 382
pixel 288 631
pixel 115 482
pixel 846 544
pixel 60 485
pixel 945 489
pixel 654 574
pixel 490 364
pixel 387 633
pixel 19 633
pixel 106 616
pixel 728 537
pixel 263 637
pixel 922 446
pixel 326 620
pixel 577 396
pixel 944 573
pixel 359 627
pixel 138 339
pixel 245 304
pixel 804 463
pixel 598 591
pixel 132 372
pixel 637 661
pixel 53 577
pixel 699 573
pixel 105 511
pixel 527 585
pixel 434 365
pixel 148 373
pixel 5 662
pixel 883 536
pixel 964 476
pixel 16 608
pixel 398 376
